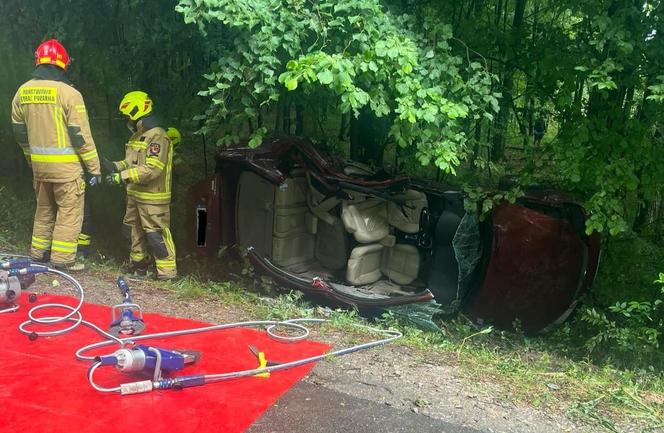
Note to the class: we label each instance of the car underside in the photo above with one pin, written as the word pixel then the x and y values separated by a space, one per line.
pixel 338 229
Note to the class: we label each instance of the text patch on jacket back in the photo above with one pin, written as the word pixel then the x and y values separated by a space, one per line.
pixel 38 95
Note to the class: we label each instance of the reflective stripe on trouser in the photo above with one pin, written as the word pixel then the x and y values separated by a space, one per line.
pixel 40 244
pixel 150 233
pixel 58 219
pixel 85 239
pixel 136 234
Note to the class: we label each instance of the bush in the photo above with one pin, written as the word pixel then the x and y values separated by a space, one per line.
pixel 628 328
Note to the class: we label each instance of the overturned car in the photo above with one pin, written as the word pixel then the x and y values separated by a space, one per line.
pixel 333 228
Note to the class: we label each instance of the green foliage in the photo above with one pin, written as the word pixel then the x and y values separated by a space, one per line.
pixel 628 327
pixel 657 90
pixel 286 306
pixel 482 201
pixel 432 71
pixel 592 71
pixel 351 55
pixel 621 323
pixel 607 148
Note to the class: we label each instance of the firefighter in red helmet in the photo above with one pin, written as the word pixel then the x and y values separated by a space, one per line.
pixel 50 123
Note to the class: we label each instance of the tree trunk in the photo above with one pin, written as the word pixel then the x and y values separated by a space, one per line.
pixel 642 215
pixel 278 115
pixel 478 139
pixel 343 125
pixel 285 116
pixel 299 119
pixel 502 119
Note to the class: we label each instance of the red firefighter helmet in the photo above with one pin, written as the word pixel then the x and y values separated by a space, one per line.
pixel 52 52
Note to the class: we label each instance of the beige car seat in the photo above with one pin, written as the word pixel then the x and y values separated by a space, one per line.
pixel 401 263
pixel 366 220
pixel 368 263
pixel 364 264
pixel 406 216
pixel 294 225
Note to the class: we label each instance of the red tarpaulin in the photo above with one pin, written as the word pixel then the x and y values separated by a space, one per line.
pixel 44 389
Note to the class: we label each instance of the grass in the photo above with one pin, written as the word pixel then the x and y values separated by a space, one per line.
pixel 600 395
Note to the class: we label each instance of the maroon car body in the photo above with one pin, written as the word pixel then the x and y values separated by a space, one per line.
pixel 528 262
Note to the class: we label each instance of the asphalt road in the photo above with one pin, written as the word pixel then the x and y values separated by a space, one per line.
pixel 309 408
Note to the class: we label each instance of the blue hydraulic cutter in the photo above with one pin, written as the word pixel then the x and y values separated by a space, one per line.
pixel 127 317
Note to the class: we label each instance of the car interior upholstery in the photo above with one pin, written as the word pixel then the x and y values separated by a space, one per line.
pixel 294 227
pixel 254 212
pixel 365 219
pixel 304 231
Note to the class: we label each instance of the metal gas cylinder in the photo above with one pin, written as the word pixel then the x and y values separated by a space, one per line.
pixel 10 289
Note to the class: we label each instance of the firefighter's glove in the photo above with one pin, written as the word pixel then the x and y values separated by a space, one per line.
pixel 108 165
pixel 114 179
pixel 94 180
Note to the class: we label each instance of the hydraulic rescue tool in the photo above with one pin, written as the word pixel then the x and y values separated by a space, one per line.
pixel 146 359
pixel 152 361
pixel 126 318
pixel 11 272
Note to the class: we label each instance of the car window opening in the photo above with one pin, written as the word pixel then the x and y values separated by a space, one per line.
pixel 201 226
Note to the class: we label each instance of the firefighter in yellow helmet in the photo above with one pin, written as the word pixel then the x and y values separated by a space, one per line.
pixel 51 125
pixel 175 138
pixel 146 170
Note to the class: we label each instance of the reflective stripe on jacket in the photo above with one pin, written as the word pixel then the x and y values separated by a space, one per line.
pixel 147 166
pixel 51 125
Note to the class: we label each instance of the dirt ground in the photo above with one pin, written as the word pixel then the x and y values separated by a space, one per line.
pixel 399 377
